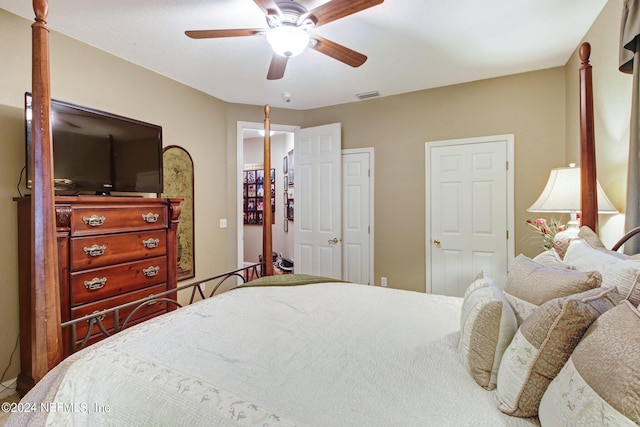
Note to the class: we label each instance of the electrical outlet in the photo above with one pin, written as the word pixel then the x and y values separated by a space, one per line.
pixel 383 282
pixel 223 223
pixel 202 287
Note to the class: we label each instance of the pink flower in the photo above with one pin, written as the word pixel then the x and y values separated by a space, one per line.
pixel 540 221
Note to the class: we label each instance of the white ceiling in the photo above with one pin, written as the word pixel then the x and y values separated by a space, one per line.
pixel 411 44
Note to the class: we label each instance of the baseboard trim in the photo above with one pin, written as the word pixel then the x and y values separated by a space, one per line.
pixel 10 388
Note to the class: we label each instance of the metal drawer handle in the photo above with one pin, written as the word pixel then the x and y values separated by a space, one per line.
pixel 152 301
pixel 150 271
pixel 95 250
pixel 94 220
pixel 151 243
pixel 150 217
pixel 98 318
pixel 95 283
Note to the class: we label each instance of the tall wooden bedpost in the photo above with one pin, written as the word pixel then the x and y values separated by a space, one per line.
pixel 46 333
pixel 589 201
pixel 267 213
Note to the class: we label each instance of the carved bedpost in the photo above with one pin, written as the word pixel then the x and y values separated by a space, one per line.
pixel 588 201
pixel 175 210
pixel 267 249
pixel 47 334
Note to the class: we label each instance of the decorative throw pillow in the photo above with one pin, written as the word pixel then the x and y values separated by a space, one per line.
pixel 617 269
pixel 487 324
pixel 594 241
pixel 586 258
pixel 530 284
pixel 551 259
pixel 625 276
pixel 543 345
pixel 600 383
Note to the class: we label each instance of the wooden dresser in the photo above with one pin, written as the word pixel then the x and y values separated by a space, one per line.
pixel 111 250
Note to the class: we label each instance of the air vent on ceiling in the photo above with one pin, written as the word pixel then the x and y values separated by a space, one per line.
pixel 366 95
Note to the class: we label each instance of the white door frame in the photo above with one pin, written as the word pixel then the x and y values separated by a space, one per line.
pixel 239 168
pixel 370 151
pixel 509 138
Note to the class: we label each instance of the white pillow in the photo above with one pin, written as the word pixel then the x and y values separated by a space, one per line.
pixel 487 324
pixel 586 258
pixel 551 259
pixel 623 273
pixel 625 276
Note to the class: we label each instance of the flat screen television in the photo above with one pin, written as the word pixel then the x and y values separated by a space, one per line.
pixel 95 152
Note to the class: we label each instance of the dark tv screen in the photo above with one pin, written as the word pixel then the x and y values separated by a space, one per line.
pixel 99 152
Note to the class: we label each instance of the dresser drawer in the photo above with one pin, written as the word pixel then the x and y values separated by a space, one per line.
pixel 97 220
pixel 108 321
pixel 92 285
pixel 99 251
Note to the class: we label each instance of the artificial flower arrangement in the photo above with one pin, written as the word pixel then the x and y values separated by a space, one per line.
pixel 546 230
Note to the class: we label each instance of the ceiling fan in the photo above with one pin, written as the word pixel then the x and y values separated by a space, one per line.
pixel 288 24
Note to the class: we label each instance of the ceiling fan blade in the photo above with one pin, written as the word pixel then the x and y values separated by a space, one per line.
pixel 212 34
pixel 336 9
pixel 337 51
pixel 269 7
pixel 277 67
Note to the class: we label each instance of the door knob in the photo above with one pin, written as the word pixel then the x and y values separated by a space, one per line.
pixel 437 242
pixel 334 240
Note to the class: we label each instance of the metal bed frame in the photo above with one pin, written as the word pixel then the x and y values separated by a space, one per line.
pixel 242 276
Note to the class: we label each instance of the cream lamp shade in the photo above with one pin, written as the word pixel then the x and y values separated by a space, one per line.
pixel 562 194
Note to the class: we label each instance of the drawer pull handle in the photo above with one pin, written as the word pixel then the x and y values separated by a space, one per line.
pixel 95 283
pixel 151 243
pixel 98 318
pixel 151 302
pixel 150 271
pixel 150 217
pixel 94 220
pixel 95 250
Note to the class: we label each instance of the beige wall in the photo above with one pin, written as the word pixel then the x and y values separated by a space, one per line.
pixel 531 106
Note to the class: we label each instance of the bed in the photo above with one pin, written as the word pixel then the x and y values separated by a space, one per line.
pixel 299 350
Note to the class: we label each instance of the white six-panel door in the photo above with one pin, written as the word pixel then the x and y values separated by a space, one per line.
pixel 469 212
pixel 317 195
pixel 357 213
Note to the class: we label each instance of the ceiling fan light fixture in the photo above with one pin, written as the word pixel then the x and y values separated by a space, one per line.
pixel 287 40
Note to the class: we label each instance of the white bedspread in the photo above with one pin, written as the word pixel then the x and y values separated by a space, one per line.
pixel 331 354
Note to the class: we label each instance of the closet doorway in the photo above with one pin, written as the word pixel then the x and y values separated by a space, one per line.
pixel 250 156
pixel 356 233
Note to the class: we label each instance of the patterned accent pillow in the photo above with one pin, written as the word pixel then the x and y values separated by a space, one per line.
pixel 530 284
pixel 543 345
pixel 487 324
pixel 600 383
